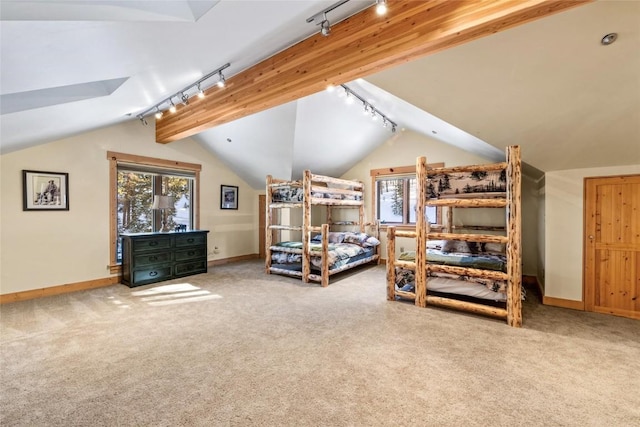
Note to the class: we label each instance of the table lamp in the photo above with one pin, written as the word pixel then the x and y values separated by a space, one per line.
pixel 162 203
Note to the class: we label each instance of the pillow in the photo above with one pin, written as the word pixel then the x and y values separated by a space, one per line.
pixel 333 236
pixel 435 244
pixel 361 239
pixel 456 246
pixel 407 256
pixel 370 241
pixel 494 248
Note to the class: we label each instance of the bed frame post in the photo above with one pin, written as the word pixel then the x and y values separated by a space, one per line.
pixel 325 256
pixel 422 230
pixel 514 234
pixel 268 234
pixel 391 261
pixel 306 224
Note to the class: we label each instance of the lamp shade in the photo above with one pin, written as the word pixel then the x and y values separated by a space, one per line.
pixel 162 202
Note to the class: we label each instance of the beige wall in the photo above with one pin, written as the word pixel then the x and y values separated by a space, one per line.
pixel 564 195
pixel 403 149
pixel 44 249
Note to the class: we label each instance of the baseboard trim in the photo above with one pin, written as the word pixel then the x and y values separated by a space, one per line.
pixel 57 290
pixel 563 303
pixel 214 262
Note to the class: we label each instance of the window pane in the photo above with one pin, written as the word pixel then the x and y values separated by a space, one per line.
pixel 135 192
pixel 390 200
pixel 412 200
pixel 432 212
pixel 180 189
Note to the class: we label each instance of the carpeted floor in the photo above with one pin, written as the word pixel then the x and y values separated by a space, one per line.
pixel 237 347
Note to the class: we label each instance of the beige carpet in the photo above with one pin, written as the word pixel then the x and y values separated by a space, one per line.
pixel 237 347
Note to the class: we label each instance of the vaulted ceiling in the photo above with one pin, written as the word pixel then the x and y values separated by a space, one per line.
pixel 548 85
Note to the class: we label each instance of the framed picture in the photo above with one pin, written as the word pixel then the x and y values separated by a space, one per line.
pixel 228 197
pixel 45 191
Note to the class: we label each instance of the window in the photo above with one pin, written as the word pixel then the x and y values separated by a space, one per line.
pixel 395 196
pixel 135 180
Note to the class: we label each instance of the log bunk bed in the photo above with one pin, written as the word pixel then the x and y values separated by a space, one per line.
pixel 323 251
pixel 430 265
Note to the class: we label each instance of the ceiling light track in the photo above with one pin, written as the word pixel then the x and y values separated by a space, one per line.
pixel 321 19
pixel 369 109
pixel 194 89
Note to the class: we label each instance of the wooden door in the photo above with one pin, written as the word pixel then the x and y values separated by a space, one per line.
pixel 262 212
pixel 612 245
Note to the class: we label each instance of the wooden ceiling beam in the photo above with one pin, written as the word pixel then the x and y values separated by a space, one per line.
pixel 361 45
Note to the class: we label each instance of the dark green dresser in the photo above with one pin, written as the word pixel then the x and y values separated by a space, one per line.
pixel 154 257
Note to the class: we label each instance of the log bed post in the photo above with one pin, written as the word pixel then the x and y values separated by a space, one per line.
pixel 422 229
pixel 306 224
pixel 325 256
pixel 268 234
pixel 391 261
pixel 514 234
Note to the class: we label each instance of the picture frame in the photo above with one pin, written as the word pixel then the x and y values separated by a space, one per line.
pixel 228 197
pixel 45 191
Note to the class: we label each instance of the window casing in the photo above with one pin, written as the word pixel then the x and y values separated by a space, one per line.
pixel 134 180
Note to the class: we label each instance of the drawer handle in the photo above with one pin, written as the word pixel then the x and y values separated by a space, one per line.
pixel 153 273
pixel 191 240
pixel 153 258
pixel 191 253
pixel 154 243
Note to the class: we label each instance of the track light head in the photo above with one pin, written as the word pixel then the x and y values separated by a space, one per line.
pixel 142 120
pixel 184 98
pixel 200 92
pixel 221 80
pixel 381 7
pixel 172 109
pixel 325 27
pixel 158 115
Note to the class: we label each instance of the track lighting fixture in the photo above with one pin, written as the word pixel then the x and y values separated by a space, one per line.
pixel 368 109
pixel 325 27
pixel 185 94
pixel 381 7
pixel 321 19
pixel 142 119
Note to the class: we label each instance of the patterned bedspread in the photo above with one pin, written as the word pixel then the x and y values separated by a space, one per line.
pixel 339 253
pixel 296 195
pixel 460 259
pixel 435 256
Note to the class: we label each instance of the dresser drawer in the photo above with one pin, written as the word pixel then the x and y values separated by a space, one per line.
pixel 150 258
pixel 156 273
pixel 191 239
pixel 190 253
pixel 151 243
pixel 191 267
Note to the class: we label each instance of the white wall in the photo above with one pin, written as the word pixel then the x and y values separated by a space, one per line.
pixel 44 249
pixel 403 148
pixel 564 195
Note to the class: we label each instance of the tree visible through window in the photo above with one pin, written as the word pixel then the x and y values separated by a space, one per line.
pixel 135 180
pixel 396 201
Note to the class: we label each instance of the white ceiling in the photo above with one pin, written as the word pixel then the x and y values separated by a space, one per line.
pixel 549 86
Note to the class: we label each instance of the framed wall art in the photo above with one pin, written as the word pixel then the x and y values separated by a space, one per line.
pixel 45 191
pixel 228 197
